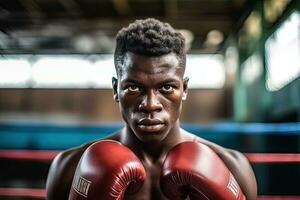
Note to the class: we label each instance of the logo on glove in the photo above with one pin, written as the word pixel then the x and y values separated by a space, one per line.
pixel 233 186
pixel 81 185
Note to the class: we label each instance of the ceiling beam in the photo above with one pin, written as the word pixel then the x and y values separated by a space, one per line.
pixel 122 7
pixel 71 7
pixel 171 8
pixel 33 10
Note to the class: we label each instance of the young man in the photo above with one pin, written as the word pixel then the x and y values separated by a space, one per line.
pixel 151 157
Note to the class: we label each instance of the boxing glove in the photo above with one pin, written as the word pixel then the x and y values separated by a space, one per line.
pixel 193 169
pixel 107 170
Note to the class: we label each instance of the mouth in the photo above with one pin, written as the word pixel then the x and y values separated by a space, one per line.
pixel 151 125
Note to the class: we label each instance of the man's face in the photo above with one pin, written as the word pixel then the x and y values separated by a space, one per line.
pixel 150 91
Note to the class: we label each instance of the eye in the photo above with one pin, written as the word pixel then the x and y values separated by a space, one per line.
pixel 133 88
pixel 167 88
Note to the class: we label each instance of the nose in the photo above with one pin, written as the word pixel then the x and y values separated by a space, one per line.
pixel 150 103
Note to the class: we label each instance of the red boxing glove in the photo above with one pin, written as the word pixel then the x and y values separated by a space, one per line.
pixel 106 170
pixel 193 169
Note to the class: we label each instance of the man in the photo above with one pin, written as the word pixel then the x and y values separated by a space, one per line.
pixel 164 160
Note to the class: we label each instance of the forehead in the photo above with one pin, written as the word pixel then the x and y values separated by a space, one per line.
pixel 165 65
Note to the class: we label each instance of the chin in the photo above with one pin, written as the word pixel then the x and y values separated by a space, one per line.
pixel 151 136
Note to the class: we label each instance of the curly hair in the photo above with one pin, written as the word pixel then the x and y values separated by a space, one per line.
pixel 149 37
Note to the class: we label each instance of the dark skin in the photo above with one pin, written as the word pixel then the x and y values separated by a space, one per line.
pixel 149 89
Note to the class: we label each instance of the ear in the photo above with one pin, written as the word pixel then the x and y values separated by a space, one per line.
pixel 115 89
pixel 185 88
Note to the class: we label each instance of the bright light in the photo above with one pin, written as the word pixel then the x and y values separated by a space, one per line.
pixel 283 54
pixel 252 68
pixel 14 73
pixel 61 72
pixel 205 71
pixel 214 38
pixel 102 72
pixel 231 60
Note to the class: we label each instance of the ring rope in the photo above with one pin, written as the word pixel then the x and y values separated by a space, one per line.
pixel 255 158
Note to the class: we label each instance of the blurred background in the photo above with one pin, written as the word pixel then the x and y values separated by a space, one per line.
pixel 56 65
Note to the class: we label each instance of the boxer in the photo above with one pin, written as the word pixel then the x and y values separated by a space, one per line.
pixel 152 157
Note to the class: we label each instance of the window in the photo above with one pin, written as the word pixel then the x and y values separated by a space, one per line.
pixel 14 72
pixel 252 69
pixel 93 71
pixel 283 53
pixel 205 71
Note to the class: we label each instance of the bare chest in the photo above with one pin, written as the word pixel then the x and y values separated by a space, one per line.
pixel 151 189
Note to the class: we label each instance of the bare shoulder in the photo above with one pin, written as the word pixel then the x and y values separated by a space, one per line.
pixel 61 173
pixel 62 170
pixel 236 162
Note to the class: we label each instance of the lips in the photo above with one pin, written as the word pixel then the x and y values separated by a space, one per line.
pixel 150 125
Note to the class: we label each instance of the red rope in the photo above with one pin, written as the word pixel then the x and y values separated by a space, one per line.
pixel 262 158
pixel 265 158
pixel 255 158
pixel 28 155
pixel 32 193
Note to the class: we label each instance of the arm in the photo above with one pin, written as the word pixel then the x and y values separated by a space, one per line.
pixel 61 174
pixel 62 170
pixel 195 170
pixel 107 170
pixel 239 167
pixel 242 171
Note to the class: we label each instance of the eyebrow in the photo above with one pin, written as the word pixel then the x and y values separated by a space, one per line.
pixel 163 82
pixel 169 81
pixel 131 81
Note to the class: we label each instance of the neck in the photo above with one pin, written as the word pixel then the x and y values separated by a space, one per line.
pixel 151 151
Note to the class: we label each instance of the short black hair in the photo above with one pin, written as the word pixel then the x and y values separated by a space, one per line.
pixel 149 37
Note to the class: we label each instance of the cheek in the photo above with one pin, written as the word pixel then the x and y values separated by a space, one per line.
pixel 127 103
pixel 174 103
pixel 125 109
pixel 176 97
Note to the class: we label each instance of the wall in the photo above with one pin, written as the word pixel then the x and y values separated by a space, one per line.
pixel 98 105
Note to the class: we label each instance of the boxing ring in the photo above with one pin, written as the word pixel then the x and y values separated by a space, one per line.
pixel 42 156
pixel 46 156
